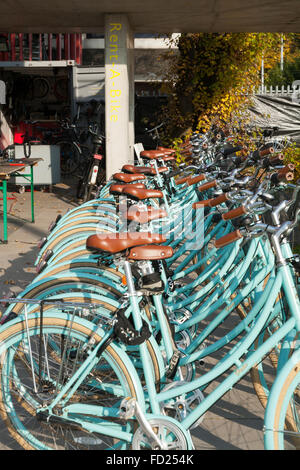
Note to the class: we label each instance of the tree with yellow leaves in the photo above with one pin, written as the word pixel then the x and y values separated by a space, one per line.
pixel 212 77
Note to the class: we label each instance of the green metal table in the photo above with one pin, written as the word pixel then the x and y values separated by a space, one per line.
pixel 12 169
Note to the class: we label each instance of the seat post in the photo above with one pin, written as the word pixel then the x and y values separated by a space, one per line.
pixel 138 324
pixel 159 178
pixel 129 279
pixel 133 296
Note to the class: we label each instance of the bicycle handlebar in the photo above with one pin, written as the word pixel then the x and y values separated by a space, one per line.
pixel 148 131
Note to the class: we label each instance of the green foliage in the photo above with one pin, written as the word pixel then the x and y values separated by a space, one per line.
pixel 213 76
pixel 277 77
pixel 296 249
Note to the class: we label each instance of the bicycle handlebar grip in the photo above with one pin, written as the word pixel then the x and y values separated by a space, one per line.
pixel 209 185
pixel 218 200
pixel 229 238
pixel 195 179
pixel 288 167
pixel 282 176
pixel 182 180
pixel 234 213
pixel 265 152
pixel 285 175
pixel 199 204
pixel 276 159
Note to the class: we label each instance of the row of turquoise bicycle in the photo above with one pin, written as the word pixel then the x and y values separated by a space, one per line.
pixel 105 348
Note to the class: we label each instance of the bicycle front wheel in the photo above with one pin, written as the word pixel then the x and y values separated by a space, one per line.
pixel 26 386
pixel 69 158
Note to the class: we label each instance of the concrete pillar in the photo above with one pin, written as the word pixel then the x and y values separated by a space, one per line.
pixel 119 92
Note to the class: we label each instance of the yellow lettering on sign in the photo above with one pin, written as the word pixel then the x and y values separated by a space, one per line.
pixel 115 27
pixel 114 73
pixel 114 93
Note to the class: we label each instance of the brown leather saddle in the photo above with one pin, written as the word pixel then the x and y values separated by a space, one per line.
pixel 138 194
pixel 152 154
pixel 145 170
pixel 128 178
pixel 144 216
pixel 117 189
pixel 141 245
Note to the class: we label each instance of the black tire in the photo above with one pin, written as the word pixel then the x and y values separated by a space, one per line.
pixel 39 88
pixel 101 176
pixel 21 419
pixel 84 188
pixel 69 157
pixel 87 193
pixel 80 189
pixel 84 191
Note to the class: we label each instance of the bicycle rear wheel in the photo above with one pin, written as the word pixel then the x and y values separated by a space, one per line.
pixel 69 157
pixel 37 88
pixel 282 419
pixel 22 393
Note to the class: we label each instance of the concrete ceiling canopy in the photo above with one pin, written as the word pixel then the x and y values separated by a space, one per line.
pixel 156 16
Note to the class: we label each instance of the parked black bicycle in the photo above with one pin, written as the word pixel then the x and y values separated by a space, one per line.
pixel 75 148
pixel 94 170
